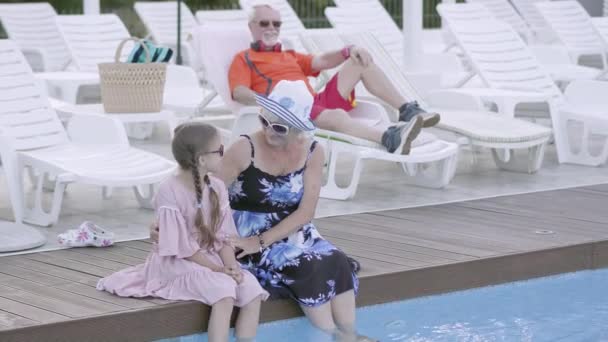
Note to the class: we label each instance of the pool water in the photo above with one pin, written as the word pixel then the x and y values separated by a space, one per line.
pixel 572 307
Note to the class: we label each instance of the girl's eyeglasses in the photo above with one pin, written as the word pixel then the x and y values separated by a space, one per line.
pixel 266 23
pixel 277 128
pixel 219 151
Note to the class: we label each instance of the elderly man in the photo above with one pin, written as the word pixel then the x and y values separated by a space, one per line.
pixel 259 68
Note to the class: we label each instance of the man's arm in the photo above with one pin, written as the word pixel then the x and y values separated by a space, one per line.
pixel 328 60
pixel 244 95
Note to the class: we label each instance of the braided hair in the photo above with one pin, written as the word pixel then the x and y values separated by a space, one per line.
pixel 191 140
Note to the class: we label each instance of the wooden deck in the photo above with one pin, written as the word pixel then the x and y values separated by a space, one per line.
pixel 404 253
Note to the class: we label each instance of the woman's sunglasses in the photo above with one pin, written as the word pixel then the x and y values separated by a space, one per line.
pixel 220 151
pixel 266 23
pixel 277 128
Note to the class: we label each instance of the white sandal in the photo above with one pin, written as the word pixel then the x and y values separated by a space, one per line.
pixel 88 234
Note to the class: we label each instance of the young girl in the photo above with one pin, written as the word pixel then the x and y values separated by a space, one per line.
pixel 192 259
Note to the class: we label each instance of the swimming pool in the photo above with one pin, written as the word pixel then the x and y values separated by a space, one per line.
pixel 572 307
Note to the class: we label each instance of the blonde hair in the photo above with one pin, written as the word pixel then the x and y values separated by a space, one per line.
pixel 191 140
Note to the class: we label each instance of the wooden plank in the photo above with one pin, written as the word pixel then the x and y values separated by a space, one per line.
pixel 98 261
pixel 382 257
pixel 46 303
pixel 5 277
pixel 497 226
pixel 57 271
pixel 30 275
pixel 536 220
pixel 137 245
pixel 65 297
pixel 444 230
pixel 48 258
pixel 29 312
pixel 368 231
pixel 520 225
pixel 393 222
pixel 12 321
pixel 92 292
pixel 370 267
pixel 388 254
pixel 328 233
pixel 557 205
pixel 124 250
pixel 109 255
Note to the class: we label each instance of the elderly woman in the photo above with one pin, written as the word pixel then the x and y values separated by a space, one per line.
pixel 275 178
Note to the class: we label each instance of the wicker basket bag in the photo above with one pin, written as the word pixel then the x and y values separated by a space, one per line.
pixel 132 87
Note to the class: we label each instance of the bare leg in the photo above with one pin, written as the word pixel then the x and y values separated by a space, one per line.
pixel 374 80
pixel 247 322
pixel 320 316
pixel 343 311
pixel 219 322
pixel 339 121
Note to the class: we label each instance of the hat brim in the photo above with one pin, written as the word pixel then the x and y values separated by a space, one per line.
pixel 280 111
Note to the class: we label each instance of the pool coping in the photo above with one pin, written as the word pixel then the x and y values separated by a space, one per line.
pixel 185 318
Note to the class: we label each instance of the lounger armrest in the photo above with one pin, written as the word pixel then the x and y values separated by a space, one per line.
pixel 447 98
pixel 97 129
pixel 587 94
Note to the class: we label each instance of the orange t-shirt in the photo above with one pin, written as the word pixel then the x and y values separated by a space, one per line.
pixel 278 66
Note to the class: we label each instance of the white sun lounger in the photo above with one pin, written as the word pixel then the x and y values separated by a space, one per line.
pixel 572 25
pixel 94 149
pixel 506 65
pixel 32 26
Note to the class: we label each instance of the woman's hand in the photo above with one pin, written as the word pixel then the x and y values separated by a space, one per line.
pixel 154 231
pixel 250 245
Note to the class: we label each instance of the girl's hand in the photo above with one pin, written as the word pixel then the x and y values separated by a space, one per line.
pixel 235 272
pixel 250 245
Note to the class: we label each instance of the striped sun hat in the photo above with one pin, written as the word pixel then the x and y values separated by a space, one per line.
pixel 292 102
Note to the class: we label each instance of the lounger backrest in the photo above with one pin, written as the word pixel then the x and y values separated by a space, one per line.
pixel 527 9
pixel 374 20
pixel 217 47
pixel 504 11
pixel 160 19
pixel 26 117
pixel 292 25
pixel 501 58
pixel 572 25
pixel 459 12
pixel 223 18
pixel 385 61
pixel 93 39
pixel 463 12
pixel 33 26
pixel 601 26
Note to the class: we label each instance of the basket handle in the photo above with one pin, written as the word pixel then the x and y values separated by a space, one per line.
pixel 137 40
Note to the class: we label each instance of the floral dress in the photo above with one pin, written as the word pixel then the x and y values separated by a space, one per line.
pixel 303 266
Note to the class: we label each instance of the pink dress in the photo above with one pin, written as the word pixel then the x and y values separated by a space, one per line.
pixel 166 273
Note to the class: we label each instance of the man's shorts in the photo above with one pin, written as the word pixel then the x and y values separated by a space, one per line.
pixel 330 98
